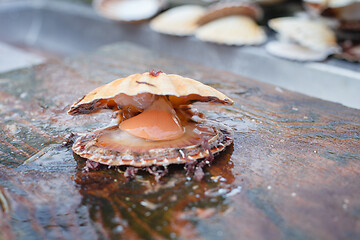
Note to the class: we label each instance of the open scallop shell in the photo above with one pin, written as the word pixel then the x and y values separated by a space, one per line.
pixel 232 30
pixel 132 151
pixel 179 21
pixel 129 10
pixel 180 90
pixel 225 9
pixel 295 51
pixel 308 33
pixel 116 145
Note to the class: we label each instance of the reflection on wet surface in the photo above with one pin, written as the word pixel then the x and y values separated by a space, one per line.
pixel 150 208
pixel 114 204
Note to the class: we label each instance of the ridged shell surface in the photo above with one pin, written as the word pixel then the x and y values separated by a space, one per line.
pixel 294 51
pixel 225 9
pixel 308 33
pixel 139 153
pixel 163 85
pixel 179 21
pixel 232 30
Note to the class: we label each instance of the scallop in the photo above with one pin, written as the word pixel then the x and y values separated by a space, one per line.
pixel 129 10
pixel 294 51
pixel 225 9
pixel 156 126
pixel 306 32
pixel 179 21
pixel 232 30
pixel 313 38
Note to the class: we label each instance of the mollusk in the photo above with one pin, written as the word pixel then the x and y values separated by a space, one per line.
pixel 232 23
pixel 295 51
pixel 179 21
pixel 232 30
pixel 313 38
pixel 156 126
pixel 129 10
pixel 225 9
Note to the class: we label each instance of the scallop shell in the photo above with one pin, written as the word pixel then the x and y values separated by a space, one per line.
pixel 224 9
pixel 294 51
pixel 142 153
pixel 179 21
pixel 129 10
pixel 181 90
pixel 308 33
pixel 232 30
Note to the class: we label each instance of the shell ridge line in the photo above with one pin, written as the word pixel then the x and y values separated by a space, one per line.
pixel 146 83
pixel 170 85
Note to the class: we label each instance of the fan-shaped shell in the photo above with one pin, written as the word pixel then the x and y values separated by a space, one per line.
pixel 225 9
pixel 179 21
pixel 136 152
pixel 129 10
pixel 181 90
pixel 295 51
pixel 232 30
pixel 308 33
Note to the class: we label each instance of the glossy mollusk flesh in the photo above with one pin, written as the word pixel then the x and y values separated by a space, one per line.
pixel 156 126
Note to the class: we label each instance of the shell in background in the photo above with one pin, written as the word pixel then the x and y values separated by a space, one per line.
pixel 232 30
pixel 179 21
pixel 181 90
pixel 224 9
pixel 129 10
pixel 293 51
pixel 312 34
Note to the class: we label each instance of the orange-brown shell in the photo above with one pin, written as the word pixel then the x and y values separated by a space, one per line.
pixel 88 146
pixel 224 9
pixel 180 89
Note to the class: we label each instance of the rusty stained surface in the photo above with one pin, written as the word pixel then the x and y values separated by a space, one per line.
pixel 293 171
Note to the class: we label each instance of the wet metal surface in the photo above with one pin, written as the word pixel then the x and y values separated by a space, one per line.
pixel 291 173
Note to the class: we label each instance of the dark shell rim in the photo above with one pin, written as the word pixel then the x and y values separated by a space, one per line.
pixel 89 107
